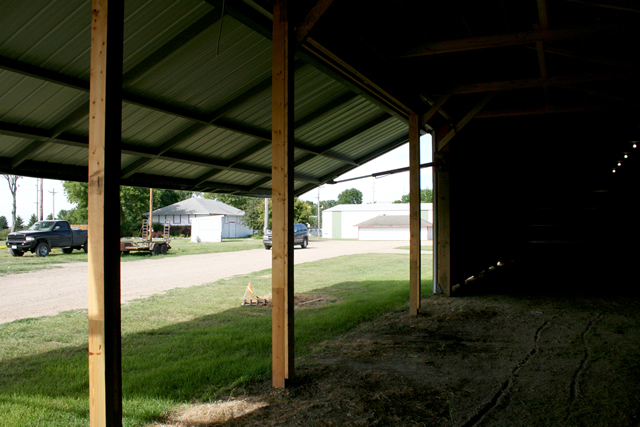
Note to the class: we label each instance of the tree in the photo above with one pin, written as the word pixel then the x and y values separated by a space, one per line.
pixel 12 180
pixel 134 203
pixel 301 211
pixel 78 193
pixel 328 204
pixel 32 220
pixel 3 223
pixel 19 224
pixel 351 196
pixel 49 217
pixel 426 196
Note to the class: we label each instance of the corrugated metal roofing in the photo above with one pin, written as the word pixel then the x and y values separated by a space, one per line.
pixel 191 119
pixel 383 221
pixel 199 206
pixel 198 119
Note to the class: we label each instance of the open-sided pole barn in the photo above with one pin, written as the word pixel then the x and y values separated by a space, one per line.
pixel 531 105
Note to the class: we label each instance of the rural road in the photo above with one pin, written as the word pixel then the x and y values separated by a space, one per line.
pixel 48 292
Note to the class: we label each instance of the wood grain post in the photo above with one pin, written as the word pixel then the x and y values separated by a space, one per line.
pixel 414 214
pixel 443 219
pixel 282 196
pixel 105 118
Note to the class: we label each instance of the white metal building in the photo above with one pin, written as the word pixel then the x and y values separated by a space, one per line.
pixel 339 222
pixel 183 213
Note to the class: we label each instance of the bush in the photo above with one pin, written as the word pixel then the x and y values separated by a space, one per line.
pixel 4 233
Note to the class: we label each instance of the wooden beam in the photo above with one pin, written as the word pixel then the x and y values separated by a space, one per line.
pixel 311 19
pixel 105 122
pixel 537 82
pixel 282 196
pixel 553 109
pixel 443 224
pixel 514 39
pixel 434 108
pixel 544 25
pixel 462 123
pixel 414 215
pixel 623 6
pixel 589 57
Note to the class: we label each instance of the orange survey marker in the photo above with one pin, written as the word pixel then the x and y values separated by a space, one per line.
pixel 258 301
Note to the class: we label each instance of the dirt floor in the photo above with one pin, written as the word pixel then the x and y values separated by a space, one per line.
pixel 471 361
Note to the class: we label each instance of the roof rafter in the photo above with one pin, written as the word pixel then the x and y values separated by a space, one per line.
pixel 312 52
pixel 537 82
pixel 465 120
pixel 312 18
pixel 514 39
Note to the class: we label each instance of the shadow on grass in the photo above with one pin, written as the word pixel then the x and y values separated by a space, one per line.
pixel 193 360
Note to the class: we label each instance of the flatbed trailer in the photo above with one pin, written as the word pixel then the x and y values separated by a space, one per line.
pixel 156 247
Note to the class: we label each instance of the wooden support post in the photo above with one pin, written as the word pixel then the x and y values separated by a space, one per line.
pixel 105 118
pixel 282 196
pixel 443 219
pixel 414 214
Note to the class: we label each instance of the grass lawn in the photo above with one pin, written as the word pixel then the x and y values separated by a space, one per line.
pixel 189 345
pixel 31 262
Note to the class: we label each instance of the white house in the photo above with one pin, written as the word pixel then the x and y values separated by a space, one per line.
pixel 339 222
pixel 183 213
pixel 391 227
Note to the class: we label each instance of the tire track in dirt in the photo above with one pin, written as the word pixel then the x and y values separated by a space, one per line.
pixel 502 392
pixel 574 386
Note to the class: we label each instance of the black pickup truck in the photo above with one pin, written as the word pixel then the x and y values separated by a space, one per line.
pixel 44 235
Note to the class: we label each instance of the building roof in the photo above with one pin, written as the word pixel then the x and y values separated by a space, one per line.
pixel 197 107
pixel 373 207
pixel 199 206
pixel 383 221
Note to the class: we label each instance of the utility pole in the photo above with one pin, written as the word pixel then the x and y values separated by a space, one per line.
pixel 41 200
pixel 37 197
pixel 319 232
pixel 53 210
pixel 150 222
pixel 266 215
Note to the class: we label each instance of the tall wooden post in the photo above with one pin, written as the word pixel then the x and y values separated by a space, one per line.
pixel 282 196
pixel 414 214
pixel 443 219
pixel 105 117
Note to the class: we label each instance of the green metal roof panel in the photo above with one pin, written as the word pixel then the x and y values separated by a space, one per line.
pixel 11 145
pixel 174 83
pixel 194 77
pixel 61 154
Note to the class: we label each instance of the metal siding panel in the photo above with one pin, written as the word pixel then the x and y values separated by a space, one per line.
pixel 61 154
pixel 194 76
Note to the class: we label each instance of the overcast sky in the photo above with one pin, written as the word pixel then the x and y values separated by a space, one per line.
pixel 385 189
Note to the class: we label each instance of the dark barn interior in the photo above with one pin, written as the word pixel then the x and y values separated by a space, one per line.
pixel 532 105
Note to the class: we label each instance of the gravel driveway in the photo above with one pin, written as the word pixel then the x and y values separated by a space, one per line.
pixel 48 292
